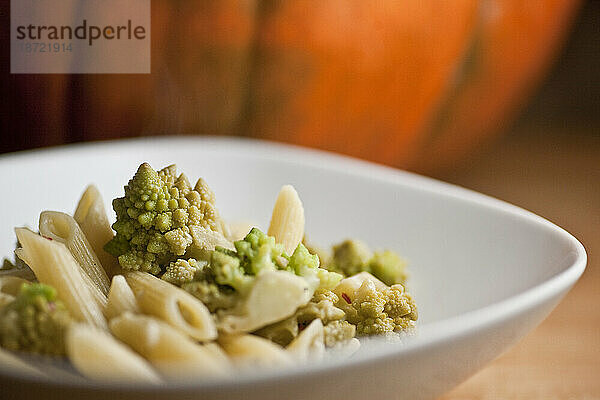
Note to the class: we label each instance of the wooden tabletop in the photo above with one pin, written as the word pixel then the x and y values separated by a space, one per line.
pixel 558 177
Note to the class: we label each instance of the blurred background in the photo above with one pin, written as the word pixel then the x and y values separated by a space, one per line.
pixel 501 96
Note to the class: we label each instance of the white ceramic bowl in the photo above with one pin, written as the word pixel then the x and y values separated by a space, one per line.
pixel 483 272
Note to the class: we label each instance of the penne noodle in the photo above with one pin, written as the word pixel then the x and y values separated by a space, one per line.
pixel 250 350
pixel 63 228
pixel 274 296
pixel 173 305
pixel 91 217
pixel 97 355
pixel 54 265
pixel 120 298
pixel 287 221
pixel 309 344
pixel 12 363
pixel 239 230
pixel 97 295
pixel 172 353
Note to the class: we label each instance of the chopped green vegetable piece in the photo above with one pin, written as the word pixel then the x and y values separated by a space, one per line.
pixel 352 257
pixel 388 267
pixel 35 321
pixel 213 296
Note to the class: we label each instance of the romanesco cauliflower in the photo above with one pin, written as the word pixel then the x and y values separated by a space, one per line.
pixel 154 218
pixel 352 256
pixel 304 264
pixel 376 311
pixel 182 271
pixel 35 321
pixel 258 251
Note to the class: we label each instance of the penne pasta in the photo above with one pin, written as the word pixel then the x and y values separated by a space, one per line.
pixel 63 228
pixel 120 298
pixel 54 265
pixel 250 350
pixel 287 221
pixel 97 355
pixel 172 353
pixel 274 296
pixel 309 344
pixel 239 230
pixel 91 217
pixel 173 305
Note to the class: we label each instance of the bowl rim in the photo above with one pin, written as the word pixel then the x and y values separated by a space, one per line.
pixel 437 332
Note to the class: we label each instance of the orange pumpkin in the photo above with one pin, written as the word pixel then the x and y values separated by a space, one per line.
pixel 408 83
pixel 511 52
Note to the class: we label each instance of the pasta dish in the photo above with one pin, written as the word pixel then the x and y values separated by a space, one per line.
pixel 172 292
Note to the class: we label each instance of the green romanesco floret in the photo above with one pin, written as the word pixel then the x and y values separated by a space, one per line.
pixel 258 251
pixel 35 321
pixel 154 218
pixel 182 271
pixel 388 267
pixel 377 312
pixel 225 269
pixel 352 257
pixel 214 297
pixel 306 265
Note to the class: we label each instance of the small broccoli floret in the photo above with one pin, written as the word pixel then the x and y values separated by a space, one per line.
pixel 258 251
pixel 352 257
pixel 182 271
pixel 154 218
pixel 35 321
pixel 304 264
pixel 225 269
pixel 213 296
pixel 377 312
